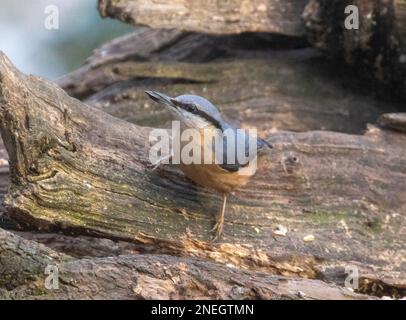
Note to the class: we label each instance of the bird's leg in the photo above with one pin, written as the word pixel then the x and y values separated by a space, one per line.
pixel 218 227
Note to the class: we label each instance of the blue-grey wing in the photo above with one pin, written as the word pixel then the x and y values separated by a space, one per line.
pixel 245 148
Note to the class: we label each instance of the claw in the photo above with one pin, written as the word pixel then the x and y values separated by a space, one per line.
pixel 218 230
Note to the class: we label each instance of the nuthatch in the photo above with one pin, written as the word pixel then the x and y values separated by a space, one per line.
pixel 224 176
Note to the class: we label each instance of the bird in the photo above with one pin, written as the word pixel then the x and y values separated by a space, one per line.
pixel 223 175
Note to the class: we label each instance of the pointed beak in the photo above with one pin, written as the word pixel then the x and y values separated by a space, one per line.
pixel 161 98
pixel 266 143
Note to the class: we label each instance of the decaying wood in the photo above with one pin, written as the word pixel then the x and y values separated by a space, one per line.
pixel 160 46
pixel 143 277
pixel 76 168
pixel 400 19
pixel 254 85
pixel 377 49
pixel 218 17
pixel 395 121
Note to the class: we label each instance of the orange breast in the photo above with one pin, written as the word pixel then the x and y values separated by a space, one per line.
pixel 212 175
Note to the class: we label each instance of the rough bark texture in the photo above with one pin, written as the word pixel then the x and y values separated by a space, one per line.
pixel 400 11
pixel 377 49
pixel 213 16
pixel 78 169
pixel 161 46
pixel 254 82
pixel 394 121
pixel 152 276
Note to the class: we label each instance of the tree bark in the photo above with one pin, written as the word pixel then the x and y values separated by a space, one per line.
pixel 400 18
pixel 78 169
pixel 216 17
pixel 142 277
pixel 257 81
pixel 159 46
pixel 377 49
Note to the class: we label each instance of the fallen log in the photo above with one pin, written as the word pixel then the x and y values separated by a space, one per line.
pixel 77 169
pixel 218 17
pixel 254 85
pixel 151 276
pixel 376 49
pixel 162 45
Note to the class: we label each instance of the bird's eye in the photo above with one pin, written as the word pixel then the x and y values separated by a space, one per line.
pixel 192 107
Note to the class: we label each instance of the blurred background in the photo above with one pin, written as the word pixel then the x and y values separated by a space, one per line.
pixel 51 53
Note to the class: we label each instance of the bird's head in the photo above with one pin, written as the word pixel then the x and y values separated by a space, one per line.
pixel 193 111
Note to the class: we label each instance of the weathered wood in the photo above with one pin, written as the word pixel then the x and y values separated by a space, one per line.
pixel 400 12
pixel 82 246
pixel 395 121
pixel 165 46
pixel 213 16
pixel 23 264
pixel 377 50
pixel 254 86
pixel 75 168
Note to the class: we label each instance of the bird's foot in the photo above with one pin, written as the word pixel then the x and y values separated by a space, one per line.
pixel 217 229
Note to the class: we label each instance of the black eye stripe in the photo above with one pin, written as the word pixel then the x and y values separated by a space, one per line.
pixel 209 118
pixel 187 106
pixel 190 107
